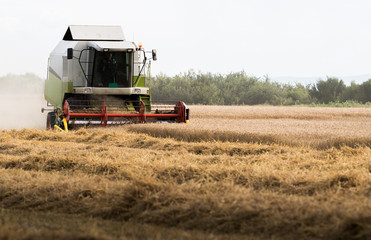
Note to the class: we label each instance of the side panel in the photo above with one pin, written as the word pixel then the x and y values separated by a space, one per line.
pixel 55 90
pixel 140 83
pixel 58 81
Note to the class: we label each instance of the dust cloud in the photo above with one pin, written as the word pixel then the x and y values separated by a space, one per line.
pixel 21 100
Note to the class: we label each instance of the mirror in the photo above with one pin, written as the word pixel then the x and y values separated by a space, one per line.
pixel 69 53
pixel 154 54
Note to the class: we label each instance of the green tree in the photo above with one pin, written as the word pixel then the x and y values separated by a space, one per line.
pixel 265 93
pixel 352 93
pixel 298 94
pixel 327 91
pixel 365 92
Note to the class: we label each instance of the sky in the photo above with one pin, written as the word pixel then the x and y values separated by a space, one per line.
pixel 296 38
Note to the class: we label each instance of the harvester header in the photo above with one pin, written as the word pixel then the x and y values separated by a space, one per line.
pixel 95 76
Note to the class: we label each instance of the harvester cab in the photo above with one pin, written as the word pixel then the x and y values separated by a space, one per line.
pixel 95 76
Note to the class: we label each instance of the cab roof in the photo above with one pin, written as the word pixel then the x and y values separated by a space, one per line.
pixel 94 33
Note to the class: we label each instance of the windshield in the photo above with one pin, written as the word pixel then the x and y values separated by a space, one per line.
pixel 111 69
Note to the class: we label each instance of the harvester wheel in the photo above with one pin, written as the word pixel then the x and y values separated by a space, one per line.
pixel 50 120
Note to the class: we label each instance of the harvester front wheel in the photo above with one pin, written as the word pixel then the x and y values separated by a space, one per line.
pixel 50 120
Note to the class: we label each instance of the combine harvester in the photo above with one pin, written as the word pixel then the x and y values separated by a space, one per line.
pixel 96 77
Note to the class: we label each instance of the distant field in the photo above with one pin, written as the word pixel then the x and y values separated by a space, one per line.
pixel 309 126
pixel 231 173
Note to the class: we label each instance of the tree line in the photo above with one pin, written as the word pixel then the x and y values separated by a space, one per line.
pixel 239 89
pixel 232 89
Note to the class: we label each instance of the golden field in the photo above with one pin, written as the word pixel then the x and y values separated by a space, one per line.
pixel 232 173
pixel 295 126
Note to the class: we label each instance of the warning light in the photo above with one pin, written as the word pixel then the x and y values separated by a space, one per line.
pixel 140 45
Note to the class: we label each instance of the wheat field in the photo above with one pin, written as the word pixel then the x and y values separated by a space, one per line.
pixel 264 173
pixel 295 126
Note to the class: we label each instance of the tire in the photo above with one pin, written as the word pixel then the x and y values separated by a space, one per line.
pixel 50 120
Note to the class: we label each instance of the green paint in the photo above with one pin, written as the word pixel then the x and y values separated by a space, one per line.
pixel 147 102
pixel 55 90
pixel 141 83
pixel 69 87
pixel 130 106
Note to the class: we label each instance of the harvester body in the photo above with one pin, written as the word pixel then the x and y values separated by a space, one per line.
pixel 95 76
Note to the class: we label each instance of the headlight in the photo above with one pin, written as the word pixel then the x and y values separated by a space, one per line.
pixel 137 91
